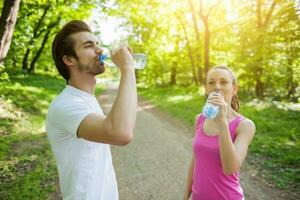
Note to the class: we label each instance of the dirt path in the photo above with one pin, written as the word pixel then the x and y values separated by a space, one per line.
pixel 155 164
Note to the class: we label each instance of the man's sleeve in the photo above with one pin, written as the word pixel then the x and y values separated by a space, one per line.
pixel 69 115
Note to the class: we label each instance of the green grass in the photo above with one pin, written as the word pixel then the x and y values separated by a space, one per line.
pixel 183 103
pixel 27 166
pixel 276 146
pixel 275 150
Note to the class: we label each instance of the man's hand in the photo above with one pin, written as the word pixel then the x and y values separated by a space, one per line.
pixel 122 57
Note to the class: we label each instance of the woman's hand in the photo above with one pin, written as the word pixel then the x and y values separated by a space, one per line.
pixel 217 99
pixel 186 197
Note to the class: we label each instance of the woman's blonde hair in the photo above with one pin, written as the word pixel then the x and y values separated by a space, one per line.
pixel 235 104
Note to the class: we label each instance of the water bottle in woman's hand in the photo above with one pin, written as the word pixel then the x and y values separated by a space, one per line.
pixel 210 110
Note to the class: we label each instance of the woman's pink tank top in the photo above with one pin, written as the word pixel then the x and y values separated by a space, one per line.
pixel 209 181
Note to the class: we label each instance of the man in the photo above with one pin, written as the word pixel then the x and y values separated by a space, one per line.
pixel 79 133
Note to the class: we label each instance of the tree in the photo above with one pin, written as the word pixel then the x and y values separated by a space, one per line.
pixel 285 32
pixel 45 39
pixel 193 61
pixel 36 26
pixel 37 31
pixel 257 41
pixel 199 77
pixel 262 23
pixel 205 19
pixel 7 23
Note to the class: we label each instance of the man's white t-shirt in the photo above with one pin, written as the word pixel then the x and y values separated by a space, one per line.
pixel 85 168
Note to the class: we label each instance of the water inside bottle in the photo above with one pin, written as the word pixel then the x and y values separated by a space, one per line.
pixel 140 59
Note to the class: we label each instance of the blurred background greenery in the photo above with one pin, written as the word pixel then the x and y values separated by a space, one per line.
pixel 183 39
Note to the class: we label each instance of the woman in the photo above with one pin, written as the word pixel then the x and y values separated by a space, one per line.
pixel 220 144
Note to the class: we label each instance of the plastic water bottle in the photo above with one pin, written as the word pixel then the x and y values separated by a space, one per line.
pixel 210 110
pixel 140 60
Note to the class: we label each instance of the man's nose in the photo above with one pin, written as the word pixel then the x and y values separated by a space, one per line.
pixel 99 50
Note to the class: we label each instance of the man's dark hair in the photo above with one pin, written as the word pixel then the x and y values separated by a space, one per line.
pixel 63 44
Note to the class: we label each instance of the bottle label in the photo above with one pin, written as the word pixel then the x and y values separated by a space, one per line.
pixel 210 111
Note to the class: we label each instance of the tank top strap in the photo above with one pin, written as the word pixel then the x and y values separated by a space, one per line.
pixel 200 119
pixel 234 125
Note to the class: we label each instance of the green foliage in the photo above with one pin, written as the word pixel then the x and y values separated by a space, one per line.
pixel 276 145
pixel 3 74
pixel 166 32
pixel 29 172
pixel 1 4
pixel 31 29
pixel 184 103
pixel 268 52
pixel 27 167
pixel 173 39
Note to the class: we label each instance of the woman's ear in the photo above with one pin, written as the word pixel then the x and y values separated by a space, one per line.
pixel 205 89
pixel 235 89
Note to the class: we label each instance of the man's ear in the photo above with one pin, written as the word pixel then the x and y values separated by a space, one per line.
pixel 68 60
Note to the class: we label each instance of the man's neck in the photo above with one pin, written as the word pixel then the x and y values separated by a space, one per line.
pixel 83 83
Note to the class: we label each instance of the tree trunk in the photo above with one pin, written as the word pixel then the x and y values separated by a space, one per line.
pixel 173 74
pixel 205 20
pixel 36 33
pixel 45 39
pixel 175 62
pixel 38 54
pixel 24 62
pixel 291 83
pixel 190 51
pixel 259 85
pixel 197 53
pixel 206 46
pixel 200 73
pixel 258 69
pixel 262 25
pixel 7 24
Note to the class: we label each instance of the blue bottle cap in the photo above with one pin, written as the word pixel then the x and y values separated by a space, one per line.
pixel 102 58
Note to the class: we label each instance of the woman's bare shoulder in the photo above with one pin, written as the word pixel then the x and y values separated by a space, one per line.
pixel 247 125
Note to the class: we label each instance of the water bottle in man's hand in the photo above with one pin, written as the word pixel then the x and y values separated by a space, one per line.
pixel 139 59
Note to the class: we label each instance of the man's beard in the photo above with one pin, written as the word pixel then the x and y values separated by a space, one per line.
pixel 95 69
